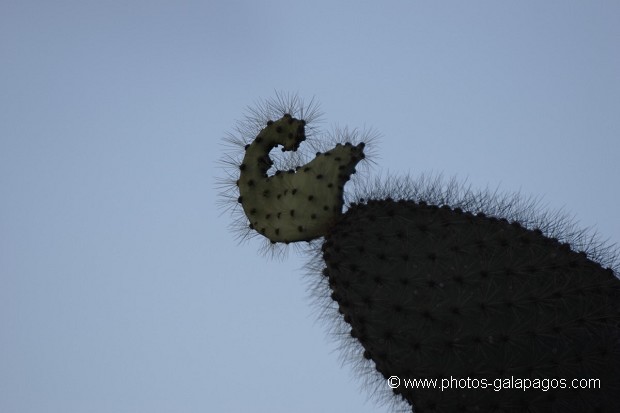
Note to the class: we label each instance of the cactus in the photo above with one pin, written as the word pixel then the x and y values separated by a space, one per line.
pixel 433 281
pixel 300 204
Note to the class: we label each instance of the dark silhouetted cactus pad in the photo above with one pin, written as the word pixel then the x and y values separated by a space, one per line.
pixel 437 293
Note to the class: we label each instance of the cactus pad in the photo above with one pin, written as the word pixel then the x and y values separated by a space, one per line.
pixel 435 292
pixel 299 204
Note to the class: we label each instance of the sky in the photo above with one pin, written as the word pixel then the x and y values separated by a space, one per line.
pixel 122 288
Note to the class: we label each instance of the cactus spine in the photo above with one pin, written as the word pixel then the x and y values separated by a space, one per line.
pixel 437 286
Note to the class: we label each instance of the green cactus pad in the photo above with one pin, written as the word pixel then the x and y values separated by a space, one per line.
pixel 294 205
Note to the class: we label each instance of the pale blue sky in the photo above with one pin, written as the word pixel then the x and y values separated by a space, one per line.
pixel 121 289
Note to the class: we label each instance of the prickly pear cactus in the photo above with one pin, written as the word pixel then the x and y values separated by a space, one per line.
pixel 506 309
pixel 299 204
